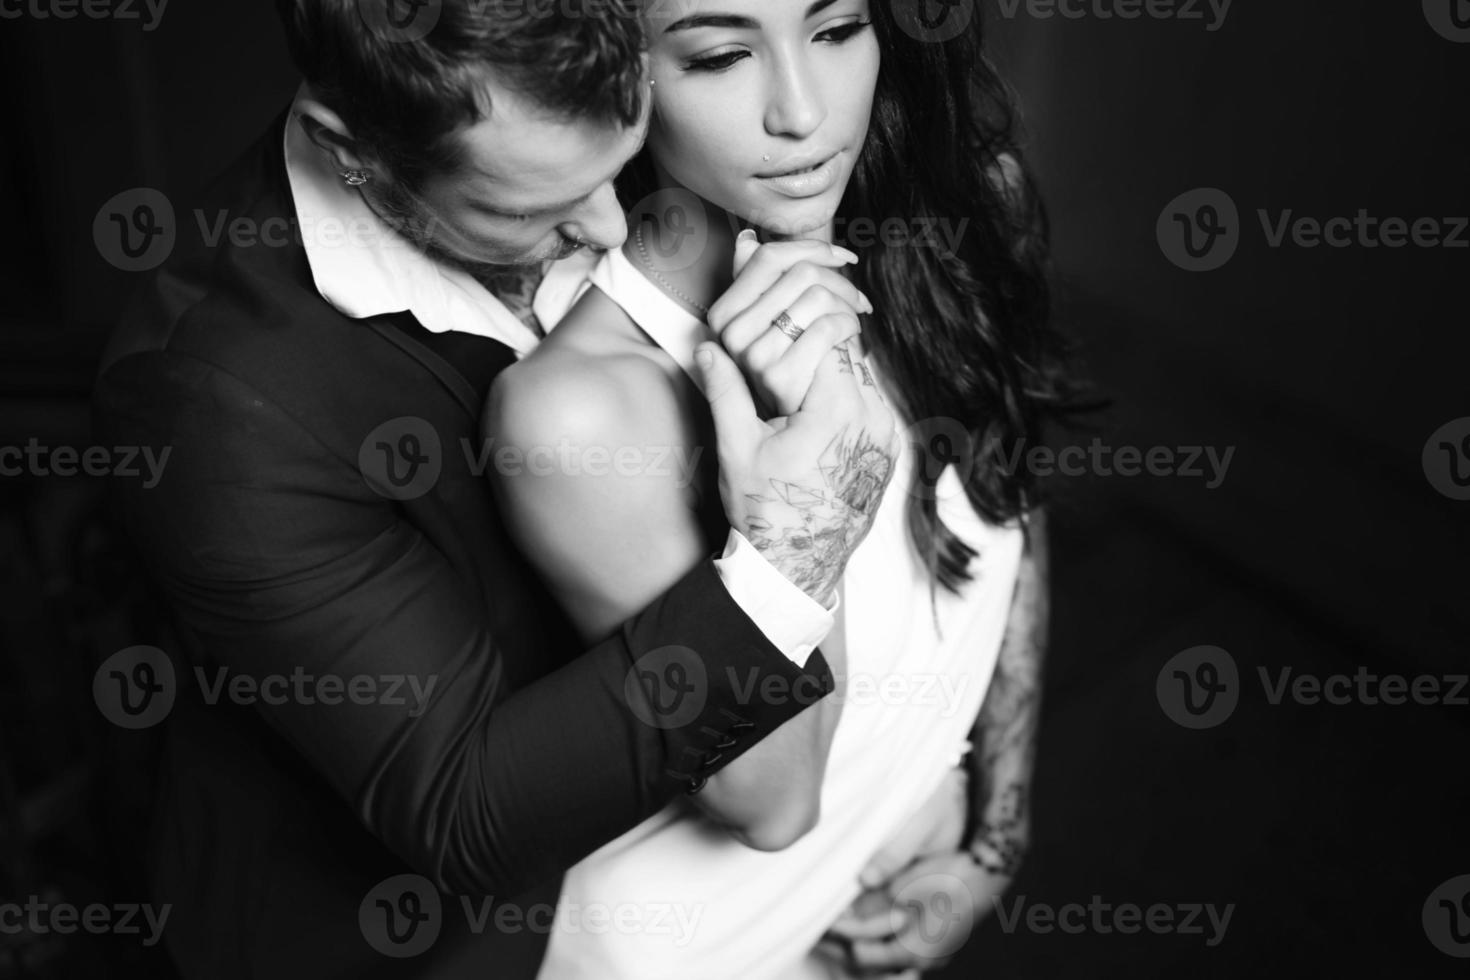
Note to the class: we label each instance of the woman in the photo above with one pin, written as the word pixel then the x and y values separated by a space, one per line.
pixel 813 125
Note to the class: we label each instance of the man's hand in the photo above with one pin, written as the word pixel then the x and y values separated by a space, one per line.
pixel 803 488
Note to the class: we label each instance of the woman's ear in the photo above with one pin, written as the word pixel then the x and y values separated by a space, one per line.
pixel 330 134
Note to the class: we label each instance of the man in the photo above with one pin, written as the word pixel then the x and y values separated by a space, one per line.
pixel 326 516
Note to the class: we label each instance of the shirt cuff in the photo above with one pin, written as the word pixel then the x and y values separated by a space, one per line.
pixel 793 621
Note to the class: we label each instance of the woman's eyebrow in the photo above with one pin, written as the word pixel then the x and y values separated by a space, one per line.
pixel 734 21
pixel 694 21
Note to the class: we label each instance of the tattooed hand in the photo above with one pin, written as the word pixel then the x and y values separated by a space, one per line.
pixel 804 487
pixel 804 490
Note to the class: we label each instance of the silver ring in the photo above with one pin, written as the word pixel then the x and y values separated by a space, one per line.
pixel 786 325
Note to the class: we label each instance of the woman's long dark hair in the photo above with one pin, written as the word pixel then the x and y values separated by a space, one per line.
pixel 964 335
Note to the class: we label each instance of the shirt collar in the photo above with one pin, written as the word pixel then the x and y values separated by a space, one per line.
pixel 667 323
pixel 364 268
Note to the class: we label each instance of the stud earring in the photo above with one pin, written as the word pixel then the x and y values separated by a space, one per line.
pixel 767 158
pixel 356 178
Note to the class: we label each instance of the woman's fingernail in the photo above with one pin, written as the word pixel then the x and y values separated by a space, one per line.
pixel 748 235
pixel 845 253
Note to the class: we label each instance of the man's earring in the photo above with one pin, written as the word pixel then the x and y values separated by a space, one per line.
pixel 356 178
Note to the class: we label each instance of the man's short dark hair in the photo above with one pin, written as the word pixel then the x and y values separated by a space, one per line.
pixel 404 98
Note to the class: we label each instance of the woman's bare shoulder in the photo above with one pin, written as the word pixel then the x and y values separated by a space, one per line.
pixel 592 382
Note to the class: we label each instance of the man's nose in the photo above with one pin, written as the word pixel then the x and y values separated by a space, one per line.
pixel 600 221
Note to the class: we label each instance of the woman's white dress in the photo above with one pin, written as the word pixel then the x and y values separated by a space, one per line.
pixel 676 898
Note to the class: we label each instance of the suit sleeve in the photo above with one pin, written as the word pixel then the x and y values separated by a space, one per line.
pixel 279 564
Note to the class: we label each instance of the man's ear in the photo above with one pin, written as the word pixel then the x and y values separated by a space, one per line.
pixel 330 134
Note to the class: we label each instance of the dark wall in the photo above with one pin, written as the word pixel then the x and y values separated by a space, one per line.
pixel 107 105
pixel 1330 367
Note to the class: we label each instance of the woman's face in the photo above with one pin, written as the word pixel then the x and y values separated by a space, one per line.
pixel 761 106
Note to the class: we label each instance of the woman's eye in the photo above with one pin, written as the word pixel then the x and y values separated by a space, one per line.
pixel 716 62
pixel 844 32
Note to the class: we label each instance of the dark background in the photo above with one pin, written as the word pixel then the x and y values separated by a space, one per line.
pixel 1326 548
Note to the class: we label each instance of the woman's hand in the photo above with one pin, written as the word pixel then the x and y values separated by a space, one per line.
pixel 802 280
pixel 835 447
pixel 919 920
pixel 915 889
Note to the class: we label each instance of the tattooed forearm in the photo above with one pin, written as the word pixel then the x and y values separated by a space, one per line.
pixel 810 530
pixel 999 844
pixel 1005 731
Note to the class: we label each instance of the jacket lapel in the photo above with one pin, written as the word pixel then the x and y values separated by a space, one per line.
pixel 464 364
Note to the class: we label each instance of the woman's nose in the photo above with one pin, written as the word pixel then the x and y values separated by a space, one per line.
pixel 795 107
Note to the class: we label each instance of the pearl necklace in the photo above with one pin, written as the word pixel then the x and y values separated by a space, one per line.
pixel 658 276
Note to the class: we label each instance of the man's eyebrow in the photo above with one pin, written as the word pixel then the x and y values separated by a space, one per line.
pixel 734 21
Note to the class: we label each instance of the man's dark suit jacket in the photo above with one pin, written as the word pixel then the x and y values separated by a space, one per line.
pixel 272 824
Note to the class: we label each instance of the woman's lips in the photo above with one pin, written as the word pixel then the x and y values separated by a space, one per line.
pixel 807 182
